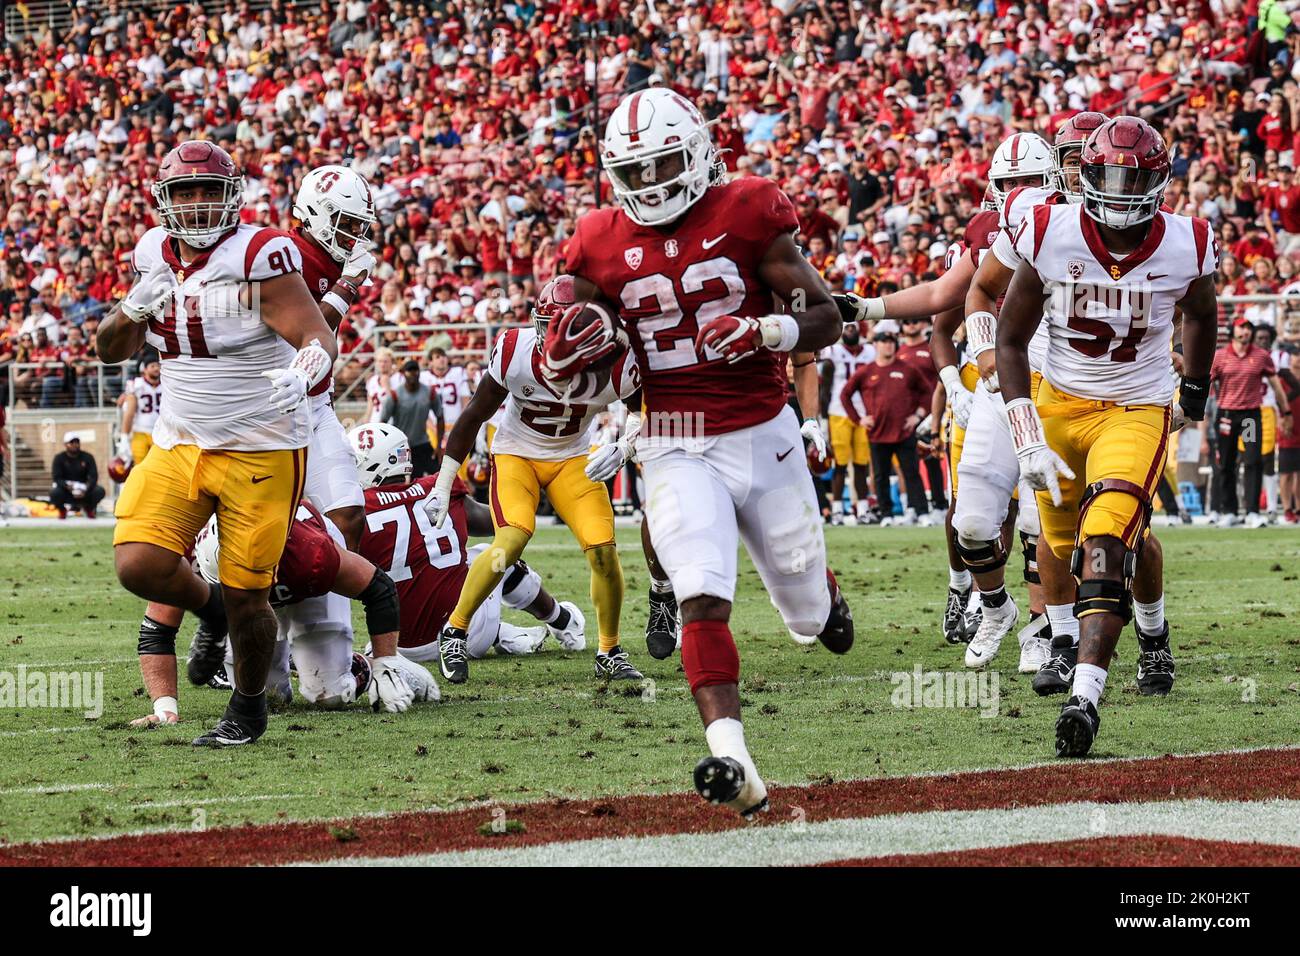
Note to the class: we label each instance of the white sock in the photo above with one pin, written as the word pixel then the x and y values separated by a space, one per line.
pixel 863 507
pixel 958 580
pixel 842 507
pixel 1089 682
pixel 1063 621
pixel 660 585
pixel 1271 483
pixel 726 737
pixel 1150 617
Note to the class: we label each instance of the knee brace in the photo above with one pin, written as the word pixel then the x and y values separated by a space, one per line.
pixel 981 556
pixel 383 615
pixel 1029 544
pixel 156 638
pixel 1117 486
pixel 709 654
pixel 520 586
pixel 1109 596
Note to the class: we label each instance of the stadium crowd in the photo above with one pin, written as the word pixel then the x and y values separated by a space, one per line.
pixel 477 123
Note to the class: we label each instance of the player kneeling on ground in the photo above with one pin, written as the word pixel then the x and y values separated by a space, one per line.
pixel 429 564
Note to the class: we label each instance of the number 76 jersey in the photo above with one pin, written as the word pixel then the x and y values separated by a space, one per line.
pixel 538 423
pixel 1110 320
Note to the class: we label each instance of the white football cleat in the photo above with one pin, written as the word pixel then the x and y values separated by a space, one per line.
pixel 1256 520
pixel 928 520
pixel 804 639
pixel 1227 520
pixel 997 624
pixel 573 637
pixel 850 520
pixel 1035 645
pixel 519 640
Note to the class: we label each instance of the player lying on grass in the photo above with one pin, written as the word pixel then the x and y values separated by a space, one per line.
pixel 430 564
pixel 315 580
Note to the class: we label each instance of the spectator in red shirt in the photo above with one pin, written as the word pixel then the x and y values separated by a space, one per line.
pixel 894 396
pixel 1252 246
pixel 915 351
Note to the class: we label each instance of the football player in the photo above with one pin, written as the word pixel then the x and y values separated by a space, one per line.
pixel 848 441
pixel 382 380
pixel 1021 160
pixel 335 213
pixel 698 269
pixel 1106 276
pixel 541 445
pixel 233 436
pixel 140 404
pixel 430 564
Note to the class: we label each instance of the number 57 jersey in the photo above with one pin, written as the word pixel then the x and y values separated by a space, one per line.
pixel 1110 320
pixel 540 424
pixel 215 346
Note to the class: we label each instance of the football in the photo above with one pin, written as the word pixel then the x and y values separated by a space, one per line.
pixel 605 312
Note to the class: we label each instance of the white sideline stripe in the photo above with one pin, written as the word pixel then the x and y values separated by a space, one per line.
pixel 98 660
pixel 58 788
pixel 46 730
pixel 796 844
pixel 207 801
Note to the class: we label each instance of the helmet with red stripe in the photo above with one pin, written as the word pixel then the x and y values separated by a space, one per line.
pixel 556 296
pixel 1124 169
pixel 1067 148
pixel 1022 159
pixel 199 192
pixel 658 155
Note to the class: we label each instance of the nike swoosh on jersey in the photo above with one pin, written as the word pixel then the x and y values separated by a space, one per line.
pixel 1152 277
pixel 258 481
pixel 710 243
pixel 781 456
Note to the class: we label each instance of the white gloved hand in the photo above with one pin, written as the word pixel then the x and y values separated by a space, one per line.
pixel 438 500
pixel 1040 467
pixel 811 429
pixel 604 462
pixel 389 690
pixel 961 402
pixel 150 294
pixel 288 387
pixel 124 447
pixel 360 264
pixel 991 383
pixel 1177 418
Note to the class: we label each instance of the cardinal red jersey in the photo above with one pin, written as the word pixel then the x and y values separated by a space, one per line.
pixel 980 234
pixel 919 357
pixel 320 272
pixel 426 563
pixel 310 562
pixel 668 282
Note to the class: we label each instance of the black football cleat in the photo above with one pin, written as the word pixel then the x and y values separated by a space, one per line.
pixel 230 732
pixel 837 635
pixel 973 621
pixel 720 780
pixel 615 665
pixel 1076 728
pixel 954 617
pixel 1057 675
pixel 220 680
pixel 207 654
pixel 1155 674
pixel 453 660
pixel 661 628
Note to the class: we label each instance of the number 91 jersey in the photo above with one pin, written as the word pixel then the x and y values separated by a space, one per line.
pixel 667 284
pixel 215 346
pixel 1110 320
pixel 540 424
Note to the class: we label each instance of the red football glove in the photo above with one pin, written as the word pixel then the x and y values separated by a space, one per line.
pixel 567 351
pixel 734 337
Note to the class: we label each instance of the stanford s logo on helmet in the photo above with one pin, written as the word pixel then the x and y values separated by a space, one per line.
pixel 1070 138
pixel 382 453
pixel 659 156
pixel 1124 169
pixel 198 224
pixel 335 205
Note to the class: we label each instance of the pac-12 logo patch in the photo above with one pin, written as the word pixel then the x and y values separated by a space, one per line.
pixel 1076 268
pixel 632 257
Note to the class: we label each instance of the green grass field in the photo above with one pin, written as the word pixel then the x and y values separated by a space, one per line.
pixel 526 728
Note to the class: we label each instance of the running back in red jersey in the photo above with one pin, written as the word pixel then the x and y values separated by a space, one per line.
pixel 670 282
pixel 427 564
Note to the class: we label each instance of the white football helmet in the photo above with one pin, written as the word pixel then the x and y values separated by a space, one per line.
pixel 335 205
pixel 206 549
pixel 1020 156
pixel 659 155
pixel 382 453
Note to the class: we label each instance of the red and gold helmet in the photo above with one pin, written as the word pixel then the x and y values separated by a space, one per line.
pixel 556 296
pixel 118 469
pixel 198 223
pixel 1124 169
pixel 1067 146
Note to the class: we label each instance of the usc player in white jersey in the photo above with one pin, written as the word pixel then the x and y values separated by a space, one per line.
pixel 1106 276
pixel 541 444
pixel 242 345
pixel 451 383
pixel 380 383
pixel 848 441
pixel 698 268
pixel 1021 161
pixel 141 404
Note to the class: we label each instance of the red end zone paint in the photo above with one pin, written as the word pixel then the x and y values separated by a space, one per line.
pixel 1231 776
pixel 1102 851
